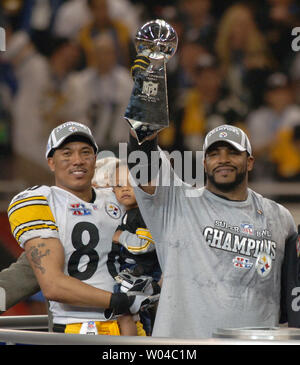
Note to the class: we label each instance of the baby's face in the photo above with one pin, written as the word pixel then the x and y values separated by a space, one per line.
pixel 123 190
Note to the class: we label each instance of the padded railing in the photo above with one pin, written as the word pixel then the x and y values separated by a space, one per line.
pixel 2 300
pixel 33 330
pixel 24 322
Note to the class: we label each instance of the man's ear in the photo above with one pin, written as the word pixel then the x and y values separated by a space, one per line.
pixel 204 164
pixel 51 164
pixel 250 163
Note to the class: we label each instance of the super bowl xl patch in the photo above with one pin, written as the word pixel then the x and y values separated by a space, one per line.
pixel 79 209
pixel 242 262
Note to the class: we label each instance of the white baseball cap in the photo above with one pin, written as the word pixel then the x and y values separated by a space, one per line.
pixel 230 134
pixel 66 130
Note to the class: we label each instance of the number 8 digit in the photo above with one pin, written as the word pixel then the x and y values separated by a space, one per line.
pixel 84 249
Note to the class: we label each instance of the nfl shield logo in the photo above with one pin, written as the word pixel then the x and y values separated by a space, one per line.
pixel 247 228
pixel 150 88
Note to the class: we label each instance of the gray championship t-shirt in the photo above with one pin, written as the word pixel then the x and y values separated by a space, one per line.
pixel 221 259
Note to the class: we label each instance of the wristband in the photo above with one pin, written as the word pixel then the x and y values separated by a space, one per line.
pixel 147 147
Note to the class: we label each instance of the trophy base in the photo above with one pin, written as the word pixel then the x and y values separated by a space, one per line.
pixel 143 130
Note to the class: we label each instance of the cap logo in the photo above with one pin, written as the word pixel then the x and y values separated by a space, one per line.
pixel 73 129
pixel 223 134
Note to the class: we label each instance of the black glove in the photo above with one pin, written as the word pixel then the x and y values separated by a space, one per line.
pixel 141 295
pixel 120 303
pixel 126 303
pixel 140 64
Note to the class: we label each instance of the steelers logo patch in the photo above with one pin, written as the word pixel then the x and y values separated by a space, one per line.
pixel 113 210
pixel 263 264
pixel 73 129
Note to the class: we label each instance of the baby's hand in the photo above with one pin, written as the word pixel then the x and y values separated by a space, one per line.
pixel 116 236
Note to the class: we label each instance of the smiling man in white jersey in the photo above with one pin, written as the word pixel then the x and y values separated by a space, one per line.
pixel 221 247
pixel 66 231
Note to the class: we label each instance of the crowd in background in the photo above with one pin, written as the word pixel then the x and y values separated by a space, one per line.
pixel 70 60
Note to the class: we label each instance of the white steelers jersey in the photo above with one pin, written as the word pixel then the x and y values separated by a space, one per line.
pixel 84 229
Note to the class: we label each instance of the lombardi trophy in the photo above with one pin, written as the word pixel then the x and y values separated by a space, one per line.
pixel 147 111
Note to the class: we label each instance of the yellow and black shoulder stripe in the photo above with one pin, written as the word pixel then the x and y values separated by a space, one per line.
pixel 145 235
pixel 30 214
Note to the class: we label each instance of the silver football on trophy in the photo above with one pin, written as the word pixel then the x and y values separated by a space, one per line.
pixel 156 39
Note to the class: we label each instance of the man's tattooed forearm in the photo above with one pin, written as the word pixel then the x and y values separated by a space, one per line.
pixel 36 253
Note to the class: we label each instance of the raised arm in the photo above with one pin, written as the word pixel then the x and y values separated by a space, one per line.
pixel 150 170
